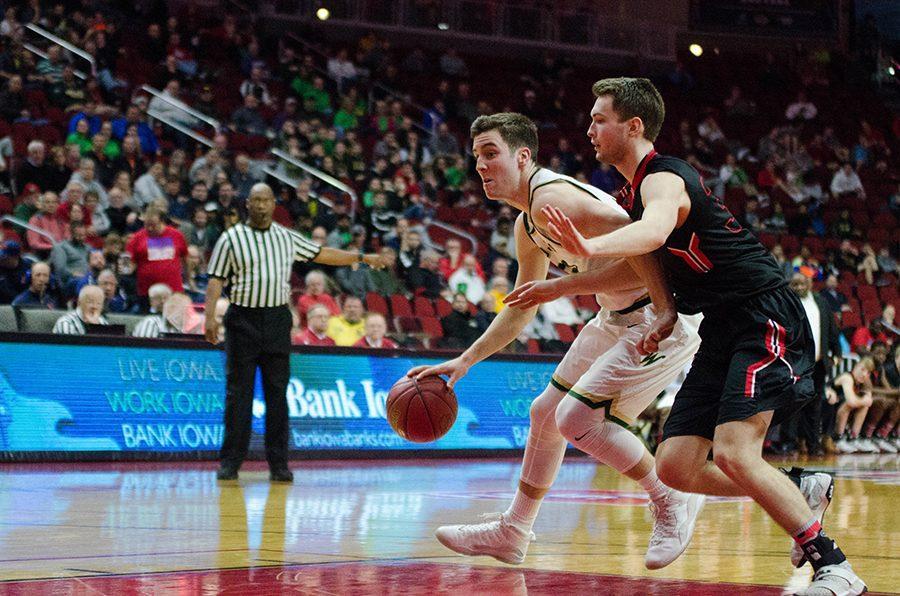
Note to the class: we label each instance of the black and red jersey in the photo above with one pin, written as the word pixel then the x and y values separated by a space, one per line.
pixel 711 259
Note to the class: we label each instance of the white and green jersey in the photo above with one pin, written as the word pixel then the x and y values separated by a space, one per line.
pixel 560 257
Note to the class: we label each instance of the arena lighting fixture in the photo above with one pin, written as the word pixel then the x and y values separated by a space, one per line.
pixel 696 49
pixel 443 26
pixel 891 71
pixel 323 14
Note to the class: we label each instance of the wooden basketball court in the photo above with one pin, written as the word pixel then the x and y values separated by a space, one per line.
pixel 366 528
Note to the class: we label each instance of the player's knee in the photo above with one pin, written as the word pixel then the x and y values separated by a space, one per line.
pixel 565 422
pixel 733 459
pixel 672 472
pixel 543 408
pixel 574 421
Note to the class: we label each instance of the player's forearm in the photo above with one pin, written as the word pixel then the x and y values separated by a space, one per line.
pixel 638 238
pixel 649 269
pixel 213 293
pixel 618 276
pixel 336 257
pixel 505 327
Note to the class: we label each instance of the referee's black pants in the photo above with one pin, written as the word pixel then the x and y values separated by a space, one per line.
pixel 256 337
pixel 807 423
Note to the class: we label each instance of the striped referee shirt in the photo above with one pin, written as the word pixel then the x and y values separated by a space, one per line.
pixel 257 263
pixel 153 326
pixel 73 324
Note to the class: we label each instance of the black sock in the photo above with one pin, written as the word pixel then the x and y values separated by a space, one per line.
pixel 821 551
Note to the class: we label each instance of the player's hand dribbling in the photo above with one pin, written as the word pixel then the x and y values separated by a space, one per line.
pixel 563 231
pixel 455 369
pixel 533 293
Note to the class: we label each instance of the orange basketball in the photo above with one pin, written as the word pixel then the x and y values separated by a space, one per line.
pixel 423 410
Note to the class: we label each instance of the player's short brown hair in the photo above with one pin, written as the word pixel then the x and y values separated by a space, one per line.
pixel 516 130
pixel 635 98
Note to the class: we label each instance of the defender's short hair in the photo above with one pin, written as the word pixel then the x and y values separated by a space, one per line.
pixel 516 130
pixel 635 98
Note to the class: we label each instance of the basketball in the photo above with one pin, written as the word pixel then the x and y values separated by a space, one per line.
pixel 421 410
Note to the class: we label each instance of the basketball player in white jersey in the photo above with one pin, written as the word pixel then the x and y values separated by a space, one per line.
pixel 615 368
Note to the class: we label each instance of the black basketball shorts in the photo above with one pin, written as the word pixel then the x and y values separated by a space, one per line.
pixel 754 356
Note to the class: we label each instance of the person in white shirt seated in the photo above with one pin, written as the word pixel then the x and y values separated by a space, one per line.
pixel 467 281
pixel 88 312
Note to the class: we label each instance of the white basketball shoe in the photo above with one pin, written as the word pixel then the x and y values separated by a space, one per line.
pixel 675 517
pixel 496 538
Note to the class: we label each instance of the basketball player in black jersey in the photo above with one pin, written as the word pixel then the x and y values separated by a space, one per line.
pixel 755 362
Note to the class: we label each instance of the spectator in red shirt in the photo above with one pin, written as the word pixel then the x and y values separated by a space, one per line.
pixel 47 220
pixel 158 251
pixel 315 294
pixel 316 324
pixel 865 336
pixel 376 327
pixel 454 259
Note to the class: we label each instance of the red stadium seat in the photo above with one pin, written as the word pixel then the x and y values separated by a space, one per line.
pixel 400 306
pixel 534 347
pixel 866 293
pixel 376 303
pixel 871 309
pixel 566 335
pixel 443 307
pixel 423 307
pixel 888 293
pixel 432 327
pixel 407 325
pixel 6 206
pixel 850 320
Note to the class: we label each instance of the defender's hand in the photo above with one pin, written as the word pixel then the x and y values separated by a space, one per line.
pixel 533 293
pixel 660 329
pixel 563 231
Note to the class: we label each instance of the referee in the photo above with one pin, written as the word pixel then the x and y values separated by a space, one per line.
pixel 255 259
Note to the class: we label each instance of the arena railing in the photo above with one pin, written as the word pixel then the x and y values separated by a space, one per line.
pixel 24 224
pixel 42 54
pixel 456 231
pixel 326 178
pixel 180 128
pixel 65 45
pixel 209 120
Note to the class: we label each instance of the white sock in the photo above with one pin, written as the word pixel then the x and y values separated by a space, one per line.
pixel 523 511
pixel 653 485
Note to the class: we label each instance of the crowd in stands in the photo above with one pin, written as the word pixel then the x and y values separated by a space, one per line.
pixel 122 209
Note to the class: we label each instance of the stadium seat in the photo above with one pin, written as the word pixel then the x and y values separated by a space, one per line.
pixel 888 293
pixel 8 321
pixel 566 335
pixel 432 327
pixel 376 303
pixel 850 320
pixel 443 308
pixel 407 325
pixel 534 347
pixel 423 307
pixel 866 293
pixel 32 320
pixel 400 306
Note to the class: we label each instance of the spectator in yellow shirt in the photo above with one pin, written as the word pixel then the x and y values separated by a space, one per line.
pixel 347 328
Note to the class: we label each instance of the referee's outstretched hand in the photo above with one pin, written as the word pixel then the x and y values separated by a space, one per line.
pixel 374 260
